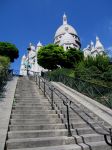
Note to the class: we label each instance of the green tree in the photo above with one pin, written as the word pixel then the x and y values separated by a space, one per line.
pixel 4 62
pixel 101 62
pixel 9 50
pixel 73 56
pixel 51 56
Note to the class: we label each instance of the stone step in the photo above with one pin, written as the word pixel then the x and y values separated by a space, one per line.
pixel 32 102
pixel 88 130
pixel 39 142
pixel 83 125
pixel 99 145
pixel 31 107
pixel 37 97
pixel 93 137
pixel 36 121
pixel 31 99
pixel 33 112
pixel 38 133
pixel 36 127
pixel 33 116
pixel 60 147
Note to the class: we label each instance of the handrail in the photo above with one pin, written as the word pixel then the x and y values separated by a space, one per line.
pixel 75 108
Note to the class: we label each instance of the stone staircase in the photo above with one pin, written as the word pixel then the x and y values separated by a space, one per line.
pixel 35 126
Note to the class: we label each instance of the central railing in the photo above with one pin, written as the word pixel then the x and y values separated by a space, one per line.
pixel 65 108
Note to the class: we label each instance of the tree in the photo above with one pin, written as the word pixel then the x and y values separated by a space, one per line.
pixel 4 62
pixel 101 62
pixel 9 50
pixel 73 56
pixel 51 56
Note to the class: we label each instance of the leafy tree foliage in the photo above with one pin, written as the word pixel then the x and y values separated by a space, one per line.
pixel 4 62
pixel 51 56
pixel 73 56
pixel 101 62
pixel 9 50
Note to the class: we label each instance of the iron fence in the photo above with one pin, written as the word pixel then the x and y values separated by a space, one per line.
pixel 97 92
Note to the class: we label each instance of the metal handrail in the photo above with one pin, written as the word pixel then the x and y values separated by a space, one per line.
pixel 75 108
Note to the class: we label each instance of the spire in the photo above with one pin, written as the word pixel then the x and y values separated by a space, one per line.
pixel 92 46
pixel 64 19
pixel 39 44
pixel 97 38
pixel 99 47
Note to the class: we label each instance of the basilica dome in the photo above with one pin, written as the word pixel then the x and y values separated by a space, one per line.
pixel 67 38
pixel 62 30
pixel 66 34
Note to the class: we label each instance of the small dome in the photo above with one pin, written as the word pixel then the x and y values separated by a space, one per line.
pixel 31 47
pixel 62 30
pixel 67 39
pixel 39 44
pixel 24 57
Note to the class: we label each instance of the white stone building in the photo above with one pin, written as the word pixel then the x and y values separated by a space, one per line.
pixel 94 50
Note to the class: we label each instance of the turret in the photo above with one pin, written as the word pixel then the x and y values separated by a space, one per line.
pixel 64 19
pixel 99 47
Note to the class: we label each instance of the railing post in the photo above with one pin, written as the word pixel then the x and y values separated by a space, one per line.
pixel 68 121
pixel 106 139
pixel 52 100
pixel 44 88
pixel 39 82
pixel 36 79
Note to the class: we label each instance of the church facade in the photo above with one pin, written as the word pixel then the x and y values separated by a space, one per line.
pixel 29 63
pixel 65 36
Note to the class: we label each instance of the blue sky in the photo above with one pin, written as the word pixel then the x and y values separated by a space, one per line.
pixel 25 21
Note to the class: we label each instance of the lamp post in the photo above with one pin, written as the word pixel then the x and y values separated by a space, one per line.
pixel 28 61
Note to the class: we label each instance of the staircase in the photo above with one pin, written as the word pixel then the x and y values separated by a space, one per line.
pixel 35 126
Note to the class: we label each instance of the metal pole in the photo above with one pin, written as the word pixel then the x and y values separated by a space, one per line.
pixel 36 79
pixel 39 82
pixel 28 61
pixel 44 88
pixel 52 100
pixel 68 121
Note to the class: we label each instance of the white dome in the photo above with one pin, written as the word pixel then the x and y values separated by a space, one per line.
pixel 99 47
pixel 66 34
pixel 24 57
pixel 39 44
pixel 62 30
pixel 67 39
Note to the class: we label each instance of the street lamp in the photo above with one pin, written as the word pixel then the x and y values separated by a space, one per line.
pixel 28 49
